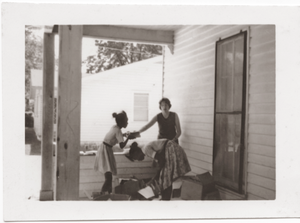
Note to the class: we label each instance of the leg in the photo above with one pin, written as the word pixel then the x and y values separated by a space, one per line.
pixel 167 193
pixel 107 186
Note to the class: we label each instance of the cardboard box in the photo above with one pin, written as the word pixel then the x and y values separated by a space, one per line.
pixel 196 187
pixel 129 187
pixel 213 196
pixel 191 190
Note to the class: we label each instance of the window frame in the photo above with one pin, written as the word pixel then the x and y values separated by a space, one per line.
pixel 133 105
pixel 242 173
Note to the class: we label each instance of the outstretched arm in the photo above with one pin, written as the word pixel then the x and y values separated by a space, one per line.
pixel 151 123
pixel 178 128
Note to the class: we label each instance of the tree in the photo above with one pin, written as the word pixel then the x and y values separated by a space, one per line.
pixel 33 56
pixel 115 54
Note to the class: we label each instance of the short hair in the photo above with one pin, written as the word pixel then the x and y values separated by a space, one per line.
pixel 166 100
pixel 120 117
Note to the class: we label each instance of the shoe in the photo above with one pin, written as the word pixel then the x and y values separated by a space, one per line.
pixel 97 194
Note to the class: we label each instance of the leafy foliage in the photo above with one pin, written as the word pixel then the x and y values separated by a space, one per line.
pixel 115 54
pixel 33 56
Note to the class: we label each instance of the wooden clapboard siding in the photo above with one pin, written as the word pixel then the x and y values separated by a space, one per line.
pixel 197 140
pixel 205 78
pixel 262 181
pixel 198 155
pixel 196 147
pixel 182 38
pixel 261 150
pixel 261 58
pixel 194 63
pixel 189 76
pixel 201 133
pixel 203 165
pixel 262 88
pixel 113 91
pixel 197 118
pixel 257 98
pixel 265 47
pixel 261 160
pixel 262 129
pixel 261 192
pixel 259 139
pixel 263 171
pixel 267 119
pixel 261 109
pixel 199 42
pixel 92 181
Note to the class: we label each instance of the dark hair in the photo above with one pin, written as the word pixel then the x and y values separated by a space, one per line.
pixel 135 152
pixel 120 118
pixel 133 148
pixel 166 100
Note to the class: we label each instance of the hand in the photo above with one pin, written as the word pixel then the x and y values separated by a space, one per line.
pixel 174 140
pixel 126 134
pixel 131 136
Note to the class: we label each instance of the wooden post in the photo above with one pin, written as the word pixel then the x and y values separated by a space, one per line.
pixel 46 192
pixel 69 106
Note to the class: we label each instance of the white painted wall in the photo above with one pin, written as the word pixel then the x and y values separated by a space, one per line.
pixel 37 86
pixel 113 91
pixel 37 115
pixel 189 84
pixel 38 112
pixel 261 138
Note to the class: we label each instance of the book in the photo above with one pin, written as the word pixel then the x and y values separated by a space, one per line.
pixel 147 192
pixel 134 134
pixel 88 153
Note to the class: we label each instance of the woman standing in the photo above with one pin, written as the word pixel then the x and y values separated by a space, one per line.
pixel 168 122
pixel 105 161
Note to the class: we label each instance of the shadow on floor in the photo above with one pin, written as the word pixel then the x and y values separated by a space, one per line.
pixel 31 139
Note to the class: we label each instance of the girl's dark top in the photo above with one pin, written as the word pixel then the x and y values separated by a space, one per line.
pixel 166 126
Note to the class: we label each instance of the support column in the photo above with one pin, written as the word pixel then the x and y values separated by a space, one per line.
pixel 46 193
pixel 69 107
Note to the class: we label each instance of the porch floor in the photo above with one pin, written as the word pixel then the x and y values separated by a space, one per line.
pixel 33 169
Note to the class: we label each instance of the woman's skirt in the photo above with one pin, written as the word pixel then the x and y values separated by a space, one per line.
pixel 105 160
pixel 176 165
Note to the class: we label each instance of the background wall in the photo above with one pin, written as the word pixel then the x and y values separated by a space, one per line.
pixel 113 91
pixel 189 83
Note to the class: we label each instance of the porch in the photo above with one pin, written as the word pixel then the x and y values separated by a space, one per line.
pixel 204 121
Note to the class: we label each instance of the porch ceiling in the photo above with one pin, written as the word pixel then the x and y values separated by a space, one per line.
pixel 53 28
pixel 155 27
pixel 151 34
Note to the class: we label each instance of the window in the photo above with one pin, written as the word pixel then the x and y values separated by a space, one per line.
pixel 141 107
pixel 229 116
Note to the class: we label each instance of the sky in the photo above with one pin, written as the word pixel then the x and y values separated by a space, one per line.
pixel 88 45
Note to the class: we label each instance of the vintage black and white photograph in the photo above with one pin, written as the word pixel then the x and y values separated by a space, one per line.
pixel 141 114
pixel 175 113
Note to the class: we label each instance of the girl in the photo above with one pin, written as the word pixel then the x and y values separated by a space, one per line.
pixel 105 161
